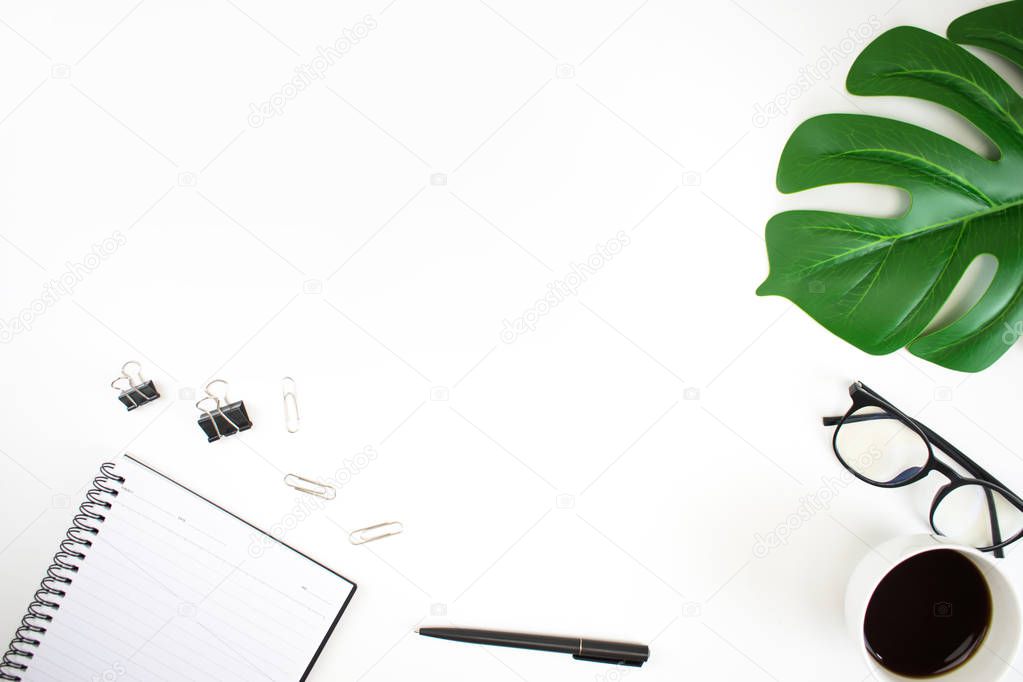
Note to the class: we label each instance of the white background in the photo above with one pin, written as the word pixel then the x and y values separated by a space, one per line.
pixel 605 474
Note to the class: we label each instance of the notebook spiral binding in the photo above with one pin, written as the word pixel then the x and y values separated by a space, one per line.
pixel 65 564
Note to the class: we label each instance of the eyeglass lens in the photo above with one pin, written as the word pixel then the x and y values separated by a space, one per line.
pixel 879 447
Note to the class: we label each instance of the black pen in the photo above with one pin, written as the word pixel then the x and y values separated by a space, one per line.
pixel 601 651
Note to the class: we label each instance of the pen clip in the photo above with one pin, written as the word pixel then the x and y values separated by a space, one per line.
pixel 615 653
pixel 612 661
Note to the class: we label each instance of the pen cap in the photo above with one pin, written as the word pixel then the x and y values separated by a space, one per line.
pixel 617 653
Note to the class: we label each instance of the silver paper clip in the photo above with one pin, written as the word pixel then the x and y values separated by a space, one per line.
pixel 305 485
pixel 291 416
pixel 377 532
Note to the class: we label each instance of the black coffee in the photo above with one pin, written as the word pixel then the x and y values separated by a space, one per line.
pixel 928 615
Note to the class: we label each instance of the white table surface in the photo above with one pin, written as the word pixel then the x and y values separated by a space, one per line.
pixel 605 474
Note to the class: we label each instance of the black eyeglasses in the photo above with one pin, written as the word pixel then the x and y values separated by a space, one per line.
pixel 883 446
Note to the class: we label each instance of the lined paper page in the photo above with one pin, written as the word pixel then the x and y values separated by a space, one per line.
pixel 176 589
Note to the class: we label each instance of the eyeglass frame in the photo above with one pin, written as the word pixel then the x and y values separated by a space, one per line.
pixel 863 396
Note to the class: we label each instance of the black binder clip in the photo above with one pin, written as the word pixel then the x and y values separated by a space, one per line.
pixel 133 390
pixel 221 417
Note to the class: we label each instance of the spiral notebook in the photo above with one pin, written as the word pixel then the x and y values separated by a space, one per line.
pixel 155 582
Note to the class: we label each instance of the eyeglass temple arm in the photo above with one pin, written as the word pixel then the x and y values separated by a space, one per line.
pixel 996 532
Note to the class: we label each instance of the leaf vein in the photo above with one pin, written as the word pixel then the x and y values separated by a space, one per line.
pixel 921 73
pixel 916 233
pixel 933 286
pixel 873 281
pixel 932 170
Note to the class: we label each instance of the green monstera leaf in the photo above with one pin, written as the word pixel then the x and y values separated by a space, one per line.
pixel 879 282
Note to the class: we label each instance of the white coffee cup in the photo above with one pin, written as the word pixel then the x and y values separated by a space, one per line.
pixel 997 651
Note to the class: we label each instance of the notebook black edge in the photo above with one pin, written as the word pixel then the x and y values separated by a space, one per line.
pixel 337 618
